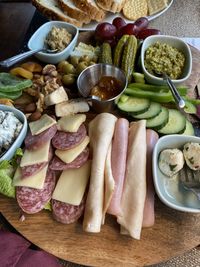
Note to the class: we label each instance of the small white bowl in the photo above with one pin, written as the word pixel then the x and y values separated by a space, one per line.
pixel 170 191
pixel 19 140
pixel 38 38
pixel 172 41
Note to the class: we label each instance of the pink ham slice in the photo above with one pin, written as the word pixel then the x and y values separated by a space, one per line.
pixel 66 213
pixel 30 170
pixel 33 200
pixel 58 165
pixel 67 140
pixel 118 163
pixel 33 142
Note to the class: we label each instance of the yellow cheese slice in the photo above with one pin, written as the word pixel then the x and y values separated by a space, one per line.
pixel 69 155
pixel 71 123
pixel 31 157
pixel 71 185
pixel 35 181
pixel 41 125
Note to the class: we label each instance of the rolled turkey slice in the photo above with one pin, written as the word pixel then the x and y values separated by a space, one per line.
pixel 118 163
pixel 101 130
pixel 134 192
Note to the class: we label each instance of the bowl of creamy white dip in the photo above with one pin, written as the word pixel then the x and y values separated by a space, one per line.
pixel 13 130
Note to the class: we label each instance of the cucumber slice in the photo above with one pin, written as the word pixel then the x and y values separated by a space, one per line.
pixel 10 83
pixel 159 121
pixel 190 108
pixel 154 110
pixel 189 129
pixel 176 123
pixel 134 105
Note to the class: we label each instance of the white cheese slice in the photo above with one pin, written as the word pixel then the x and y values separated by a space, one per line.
pixel 71 185
pixel 71 123
pixel 42 124
pixel 57 96
pixel 35 181
pixel 40 155
pixel 69 155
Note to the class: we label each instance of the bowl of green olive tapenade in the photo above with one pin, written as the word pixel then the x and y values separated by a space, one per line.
pixel 162 54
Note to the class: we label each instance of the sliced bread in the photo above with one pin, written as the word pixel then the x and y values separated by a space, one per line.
pixel 91 8
pixel 69 7
pixel 113 6
pixel 51 9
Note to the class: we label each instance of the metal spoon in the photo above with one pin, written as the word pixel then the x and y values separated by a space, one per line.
pixel 12 60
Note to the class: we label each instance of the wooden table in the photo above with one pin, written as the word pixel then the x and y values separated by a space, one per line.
pixel 14 22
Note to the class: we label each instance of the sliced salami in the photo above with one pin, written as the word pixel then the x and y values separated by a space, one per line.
pixel 33 200
pixel 58 165
pixel 66 140
pixel 66 213
pixel 33 142
pixel 30 170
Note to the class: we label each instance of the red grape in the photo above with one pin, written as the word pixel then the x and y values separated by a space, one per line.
pixel 142 23
pixel 105 31
pixel 130 29
pixel 112 42
pixel 118 22
pixel 147 32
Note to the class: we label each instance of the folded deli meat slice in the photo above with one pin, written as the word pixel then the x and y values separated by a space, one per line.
pixel 51 9
pixel 111 5
pixel 101 130
pixel 91 8
pixel 69 7
pixel 134 191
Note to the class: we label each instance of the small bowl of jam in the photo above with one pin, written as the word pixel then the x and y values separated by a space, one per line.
pixel 104 83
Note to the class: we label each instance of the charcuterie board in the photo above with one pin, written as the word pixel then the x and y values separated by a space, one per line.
pixel 173 233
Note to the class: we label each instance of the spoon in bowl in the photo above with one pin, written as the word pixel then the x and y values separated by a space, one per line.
pixel 13 60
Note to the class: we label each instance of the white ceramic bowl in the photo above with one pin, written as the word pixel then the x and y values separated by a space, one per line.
pixel 38 38
pixel 170 191
pixel 19 140
pixel 175 42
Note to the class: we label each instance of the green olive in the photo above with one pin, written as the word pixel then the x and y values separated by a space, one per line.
pixel 74 60
pixel 81 66
pixel 92 63
pixel 68 79
pixel 95 59
pixel 69 69
pixel 61 65
pixel 85 58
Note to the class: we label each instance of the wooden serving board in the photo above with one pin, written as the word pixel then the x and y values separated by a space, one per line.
pixel 173 233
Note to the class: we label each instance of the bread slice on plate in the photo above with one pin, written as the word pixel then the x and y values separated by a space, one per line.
pixel 51 9
pixel 69 7
pixel 91 8
pixel 113 6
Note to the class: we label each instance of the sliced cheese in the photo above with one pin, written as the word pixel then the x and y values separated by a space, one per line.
pixel 35 181
pixel 71 185
pixel 71 123
pixel 70 107
pixel 31 157
pixel 57 96
pixel 42 124
pixel 69 155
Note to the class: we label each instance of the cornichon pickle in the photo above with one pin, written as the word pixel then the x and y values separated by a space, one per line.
pixel 119 49
pixel 128 57
pixel 106 54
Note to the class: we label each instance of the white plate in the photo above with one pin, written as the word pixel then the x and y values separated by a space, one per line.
pixel 109 18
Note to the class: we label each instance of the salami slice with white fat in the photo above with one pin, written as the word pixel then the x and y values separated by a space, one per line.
pixel 30 170
pixel 58 165
pixel 67 213
pixel 33 142
pixel 33 200
pixel 67 140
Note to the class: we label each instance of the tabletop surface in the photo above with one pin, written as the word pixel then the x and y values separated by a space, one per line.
pixel 182 19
